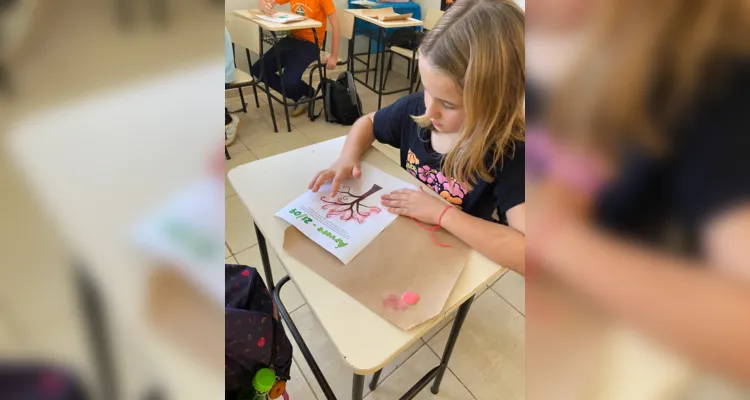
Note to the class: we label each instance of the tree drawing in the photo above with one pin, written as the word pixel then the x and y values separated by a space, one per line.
pixel 349 207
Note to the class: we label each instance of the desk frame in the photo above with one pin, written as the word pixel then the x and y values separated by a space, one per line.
pixel 435 375
pixel 379 58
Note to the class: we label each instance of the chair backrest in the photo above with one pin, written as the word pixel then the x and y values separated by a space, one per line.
pixel 432 18
pixel 346 23
pixel 346 26
pixel 243 32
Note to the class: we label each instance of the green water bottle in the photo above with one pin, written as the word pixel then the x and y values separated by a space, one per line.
pixel 263 382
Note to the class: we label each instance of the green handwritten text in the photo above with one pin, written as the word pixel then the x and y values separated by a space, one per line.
pixel 339 243
pixel 304 217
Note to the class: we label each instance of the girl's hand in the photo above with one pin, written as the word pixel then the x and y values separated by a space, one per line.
pixel 416 204
pixel 340 170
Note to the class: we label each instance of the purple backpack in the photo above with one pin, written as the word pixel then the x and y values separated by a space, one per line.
pixel 254 339
pixel 39 382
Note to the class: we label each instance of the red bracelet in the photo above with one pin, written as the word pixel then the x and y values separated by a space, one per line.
pixel 436 227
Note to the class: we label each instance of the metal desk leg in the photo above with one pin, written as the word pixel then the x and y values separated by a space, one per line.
pixel 375 378
pixel 281 77
pixel 369 52
pixel 255 90
pixel 265 80
pixel 98 334
pixel 452 338
pixel 350 55
pixel 358 387
pixel 321 72
pixel 324 386
pixel 264 258
pixel 381 35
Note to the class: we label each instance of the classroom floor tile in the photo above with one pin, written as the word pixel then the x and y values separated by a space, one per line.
pixel 394 386
pixel 290 296
pixel 288 144
pixel 232 102
pixel 237 159
pixel 239 229
pixel 447 321
pixel 321 131
pixel 489 353
pixel 259 132
pixel 512 288
pixel 298 388
pixel 336 372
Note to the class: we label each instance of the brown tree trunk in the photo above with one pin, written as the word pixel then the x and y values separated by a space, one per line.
pixel 373 189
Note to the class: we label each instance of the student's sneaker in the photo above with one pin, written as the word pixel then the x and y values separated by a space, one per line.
pixel 230 130
pixel 301 108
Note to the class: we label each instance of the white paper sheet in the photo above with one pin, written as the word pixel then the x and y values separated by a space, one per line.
pixel 280 17
pixel 346 223
pixel 187 232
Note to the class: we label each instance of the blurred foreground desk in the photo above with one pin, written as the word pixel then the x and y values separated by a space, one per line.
pixel 95 176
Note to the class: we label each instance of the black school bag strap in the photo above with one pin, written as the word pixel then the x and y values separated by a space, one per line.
pixel 351 85
pixel 311 109
pixel 325 87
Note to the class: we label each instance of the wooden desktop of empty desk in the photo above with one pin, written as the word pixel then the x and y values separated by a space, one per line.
pixel 379 58
pixel 365 340
pixel 273 28
pixel 94 200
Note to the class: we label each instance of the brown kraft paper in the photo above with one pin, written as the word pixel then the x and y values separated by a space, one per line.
pixel 402 258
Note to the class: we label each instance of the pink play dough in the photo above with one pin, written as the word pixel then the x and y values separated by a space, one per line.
pixel 410 298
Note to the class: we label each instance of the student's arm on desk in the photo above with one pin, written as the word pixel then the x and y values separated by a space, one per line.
pixel 359 139
pixel 505 245
pixel 697 307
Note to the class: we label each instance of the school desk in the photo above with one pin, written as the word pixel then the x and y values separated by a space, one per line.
pixel 379 54
pixel 92 185
pixel 273 28
pixel 366 341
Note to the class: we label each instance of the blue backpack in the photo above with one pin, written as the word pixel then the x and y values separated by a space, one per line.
pixel 254 339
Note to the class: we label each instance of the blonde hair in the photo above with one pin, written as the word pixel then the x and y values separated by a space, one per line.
pixel 480 45
pixel 642 67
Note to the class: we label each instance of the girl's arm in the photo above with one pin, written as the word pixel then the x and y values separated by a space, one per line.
pixel 691 307
pixel 359 139
pixel 501 244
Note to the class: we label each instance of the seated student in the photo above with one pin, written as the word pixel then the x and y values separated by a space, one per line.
pixel 464 136
pixel 298 50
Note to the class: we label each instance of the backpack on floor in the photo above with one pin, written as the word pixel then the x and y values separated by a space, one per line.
pixel 342 103
pixel 254 339
pixel 40 381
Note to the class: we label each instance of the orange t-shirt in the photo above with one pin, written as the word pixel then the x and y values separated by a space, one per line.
pixel 318 10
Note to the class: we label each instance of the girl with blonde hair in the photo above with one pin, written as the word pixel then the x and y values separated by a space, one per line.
pixel 464 136
pixel 644 207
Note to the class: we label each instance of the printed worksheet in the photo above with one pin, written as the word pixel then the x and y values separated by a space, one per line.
pixel 280 17
pixel 346 223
